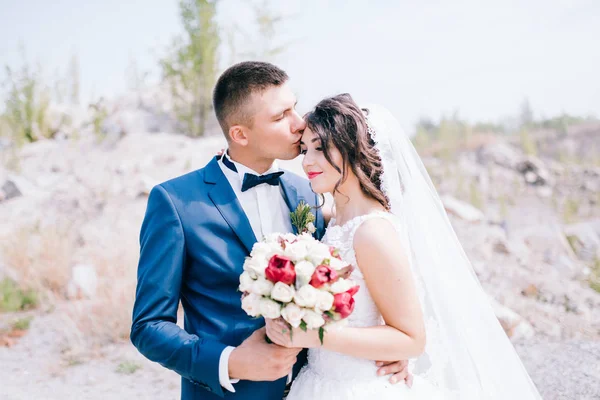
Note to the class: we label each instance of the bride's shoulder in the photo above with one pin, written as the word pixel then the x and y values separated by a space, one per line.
pixel 378 246
pixel 378 230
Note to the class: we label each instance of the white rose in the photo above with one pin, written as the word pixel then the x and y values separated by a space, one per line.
pixel 296 251
pixel 260 249
pixel 271 238
pixel 293 314
pixel 262 286
pixel 306 296
pixel 282 292
pixel 304 272
pixel 268 247
pixel 246 282
pixel 337 264
pixel 311 227
pixel 269 308
pixel 261 252
pixel 324 301
pixel 255 266
pixel 274 250
pixel 341 286
pixel 251 304
pixel 306 237
pixel 313 320
pixel 318 253
pixel 290 237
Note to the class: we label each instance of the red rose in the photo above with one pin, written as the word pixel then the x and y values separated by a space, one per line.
pixel 323 274
pixel 343 303
pixel 280 269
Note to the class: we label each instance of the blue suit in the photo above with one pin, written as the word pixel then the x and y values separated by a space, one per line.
pixel 194 239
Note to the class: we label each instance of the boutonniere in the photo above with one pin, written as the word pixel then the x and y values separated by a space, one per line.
pixel 303 219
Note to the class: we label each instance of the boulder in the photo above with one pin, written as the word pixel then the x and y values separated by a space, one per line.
pixel 462 209
pixel 83 283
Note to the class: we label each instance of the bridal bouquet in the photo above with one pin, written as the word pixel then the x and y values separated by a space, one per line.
pixel 299 279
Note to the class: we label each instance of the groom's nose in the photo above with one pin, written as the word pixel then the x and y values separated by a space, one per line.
pixel 298 123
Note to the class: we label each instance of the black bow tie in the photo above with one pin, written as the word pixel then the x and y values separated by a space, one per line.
pixel 251 180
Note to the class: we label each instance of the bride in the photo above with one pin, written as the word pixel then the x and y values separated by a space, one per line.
pixel 419 298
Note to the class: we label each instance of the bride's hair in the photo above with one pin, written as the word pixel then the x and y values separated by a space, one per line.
pixel 338 121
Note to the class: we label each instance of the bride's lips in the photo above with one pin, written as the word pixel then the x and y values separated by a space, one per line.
pixel 311 175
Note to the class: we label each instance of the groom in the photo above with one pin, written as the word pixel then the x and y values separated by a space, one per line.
pixel 199 228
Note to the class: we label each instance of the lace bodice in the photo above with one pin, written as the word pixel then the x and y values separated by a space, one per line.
pixel 365 312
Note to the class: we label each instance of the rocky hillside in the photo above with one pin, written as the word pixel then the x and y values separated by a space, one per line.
pixel 71 210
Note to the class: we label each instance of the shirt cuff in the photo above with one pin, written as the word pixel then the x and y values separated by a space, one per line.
pixel 224 379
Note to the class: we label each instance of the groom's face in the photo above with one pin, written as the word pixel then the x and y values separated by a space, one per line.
pixel 277 127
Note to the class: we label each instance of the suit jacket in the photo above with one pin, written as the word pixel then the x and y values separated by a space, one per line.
pixel 194 240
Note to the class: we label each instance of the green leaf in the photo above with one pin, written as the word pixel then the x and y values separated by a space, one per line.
pixel 303 326
pixel 321 335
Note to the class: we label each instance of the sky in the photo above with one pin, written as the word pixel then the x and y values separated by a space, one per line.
pixel 426 58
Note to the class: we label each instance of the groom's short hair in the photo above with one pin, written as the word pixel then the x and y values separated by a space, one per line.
pixel 234 89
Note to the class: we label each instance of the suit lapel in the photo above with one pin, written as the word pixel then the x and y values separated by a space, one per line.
pixel 290 195
pixel 224 198
pixel 320 224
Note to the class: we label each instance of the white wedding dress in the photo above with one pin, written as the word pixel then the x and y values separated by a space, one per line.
pixel 332 376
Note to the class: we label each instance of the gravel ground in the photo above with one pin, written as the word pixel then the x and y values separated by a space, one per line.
pixel 563 370
pixel 36 368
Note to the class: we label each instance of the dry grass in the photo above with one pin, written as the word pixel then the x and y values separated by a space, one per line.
pixel 448 147
pixel 594 279
pixel 107 317
pixel 42 258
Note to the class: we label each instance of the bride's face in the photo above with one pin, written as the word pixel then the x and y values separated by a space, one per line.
pixel 322 175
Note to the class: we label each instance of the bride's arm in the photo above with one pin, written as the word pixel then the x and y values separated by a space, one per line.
pixel 384 264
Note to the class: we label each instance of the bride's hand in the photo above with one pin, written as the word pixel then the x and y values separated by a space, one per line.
pixel 279 333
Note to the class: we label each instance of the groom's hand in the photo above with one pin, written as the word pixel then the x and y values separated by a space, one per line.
pixel 398 371
pixel 256 360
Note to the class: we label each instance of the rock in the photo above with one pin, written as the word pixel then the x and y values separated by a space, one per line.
pixel 531 177
pixel 9 190
pixel 84 282
pixel 530 291
pixel 548 240
pixel 591 186
pixel 499 153
pixel 513 324
pixel 565 265
pixel 584 238
pixel 501 246
pixel 462 210
pixel 534 171
pixel 544 191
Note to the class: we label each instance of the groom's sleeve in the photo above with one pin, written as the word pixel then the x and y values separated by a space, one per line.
pixel 154 331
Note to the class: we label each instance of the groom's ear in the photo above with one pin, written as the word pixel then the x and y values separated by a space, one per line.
pixel 238 134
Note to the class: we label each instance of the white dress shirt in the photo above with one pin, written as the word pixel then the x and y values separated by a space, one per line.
pixel 267 212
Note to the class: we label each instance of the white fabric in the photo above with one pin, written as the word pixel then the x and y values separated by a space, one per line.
pixel 467 350
pixel 224 379
pixel 467 355
pixel 260 203
pixel 334 376
pixel 267 212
